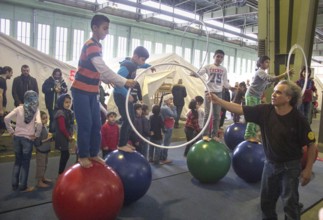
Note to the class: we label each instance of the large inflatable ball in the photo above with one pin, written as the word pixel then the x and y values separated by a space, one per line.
pixel 88 193
pixel 134 172
pixel 209 161
pixel 248 161
pixel 234 134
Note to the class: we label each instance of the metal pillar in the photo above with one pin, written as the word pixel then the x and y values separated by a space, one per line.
pixel 283 23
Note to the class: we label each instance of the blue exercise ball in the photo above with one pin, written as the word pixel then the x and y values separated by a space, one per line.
pixel 234 134
pixel 248 161
pixel 208 161
pixel 134 172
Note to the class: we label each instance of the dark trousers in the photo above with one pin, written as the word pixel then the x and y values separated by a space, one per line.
pixel 120 101
pixel 190 134
pixel 65 155
pixel 179 109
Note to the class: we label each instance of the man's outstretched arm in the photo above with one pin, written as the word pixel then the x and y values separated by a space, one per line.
pixel 231 107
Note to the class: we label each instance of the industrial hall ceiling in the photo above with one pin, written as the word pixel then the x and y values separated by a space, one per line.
pixel 241 14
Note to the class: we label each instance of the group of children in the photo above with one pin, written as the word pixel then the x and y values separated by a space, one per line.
pixel 157 127
pixel 31 130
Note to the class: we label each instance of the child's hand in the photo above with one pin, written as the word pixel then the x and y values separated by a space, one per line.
pixel 32 137
pixel 291 72
pixel 130 83
pixel 152 133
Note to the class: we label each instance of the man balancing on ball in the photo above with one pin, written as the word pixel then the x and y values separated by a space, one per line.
pixel 284 132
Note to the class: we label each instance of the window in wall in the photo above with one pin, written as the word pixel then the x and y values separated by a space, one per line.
pixel 231 64
pixel 43 38
pixel 5 26
pixel 78 41
pixel 23 32
pixel 210 58
pixel 238 66
pixel 61 43
pixel 203 58
pixel 169 48
pixel 122 47
pixel 147 45
pixel 249 66
pixel 225 62
pixel 243 66
pixel 187 54
pixel 135 43
pixel 178 50
pixel 197 58
pixel 107 48
pixel 158 48
pixel 253 68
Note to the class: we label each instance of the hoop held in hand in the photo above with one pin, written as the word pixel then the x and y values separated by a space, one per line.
pixel 173 146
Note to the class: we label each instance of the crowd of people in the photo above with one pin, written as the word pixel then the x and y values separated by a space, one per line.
pixel 284 130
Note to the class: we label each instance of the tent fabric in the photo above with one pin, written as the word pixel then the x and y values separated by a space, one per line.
pixel 15 54
pixel 169 69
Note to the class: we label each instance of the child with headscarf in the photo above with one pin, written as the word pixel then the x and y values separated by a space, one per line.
pixel 64 121
pixel 28 127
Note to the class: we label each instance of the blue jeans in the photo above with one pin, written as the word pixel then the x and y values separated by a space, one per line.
pixel 280 179
pixel 120 101
pixel 216 116
pixel 155 152
pixel 166 142
pixel 87 114
pixel 305 108
pixel 23 148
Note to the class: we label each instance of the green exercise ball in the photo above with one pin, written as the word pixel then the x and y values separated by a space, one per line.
pixel 208 161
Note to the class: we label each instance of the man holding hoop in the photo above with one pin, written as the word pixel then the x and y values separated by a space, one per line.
pixel 284 132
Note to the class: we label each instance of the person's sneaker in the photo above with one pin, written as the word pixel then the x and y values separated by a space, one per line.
pixel 47 180
pixel 206 138
pixel 253 140
pixel 165 161
pixel 41 184
pixel 28 189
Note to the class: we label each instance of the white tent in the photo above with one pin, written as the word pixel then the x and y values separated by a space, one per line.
pixel 169 69
pixel 15 54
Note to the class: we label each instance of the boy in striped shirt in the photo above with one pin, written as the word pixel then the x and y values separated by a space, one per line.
pixel 85 92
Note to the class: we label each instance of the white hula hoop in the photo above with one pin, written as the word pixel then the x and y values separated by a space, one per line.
pixel 294 47
pixel 173 146
pixel 207 41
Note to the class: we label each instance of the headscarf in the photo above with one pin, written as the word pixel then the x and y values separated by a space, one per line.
pixel 31 104
pixel 60 110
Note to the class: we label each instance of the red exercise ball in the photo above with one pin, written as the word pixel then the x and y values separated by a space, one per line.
pixel 88 193
pixel 304 158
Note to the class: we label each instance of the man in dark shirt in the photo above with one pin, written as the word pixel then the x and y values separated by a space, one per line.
pixel 179 93
pixel 23 83
pixel 284 132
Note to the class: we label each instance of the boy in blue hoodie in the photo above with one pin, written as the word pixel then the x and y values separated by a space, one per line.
pixel 128 69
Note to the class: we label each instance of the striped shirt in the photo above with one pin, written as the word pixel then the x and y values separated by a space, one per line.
pixel 87 78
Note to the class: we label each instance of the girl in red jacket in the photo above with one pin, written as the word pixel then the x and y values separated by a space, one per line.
pixel 109 134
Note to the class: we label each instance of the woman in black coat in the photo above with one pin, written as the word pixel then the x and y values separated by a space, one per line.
pixel 53 87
